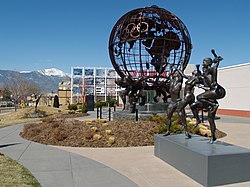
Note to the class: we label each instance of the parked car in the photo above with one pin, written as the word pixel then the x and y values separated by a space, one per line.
pixel 6 104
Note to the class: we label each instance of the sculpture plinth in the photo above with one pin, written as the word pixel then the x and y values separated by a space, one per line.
pixel 208 164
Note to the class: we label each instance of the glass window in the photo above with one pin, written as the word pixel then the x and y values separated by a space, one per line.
pixel 76 90
pixel 89 81
pixel 111 73
pixel 110 91
pixel 89 72
pixel 111 82
pixel 77 80
pixel 100 72
pixel 77 71
pixel 99 81
pixel 89 90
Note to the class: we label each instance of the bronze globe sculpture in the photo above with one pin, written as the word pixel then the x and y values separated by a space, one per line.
pixel 149 42
pixel 146 46
pixel 149 49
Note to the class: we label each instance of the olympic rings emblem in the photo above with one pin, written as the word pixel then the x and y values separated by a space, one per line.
pixel 133 30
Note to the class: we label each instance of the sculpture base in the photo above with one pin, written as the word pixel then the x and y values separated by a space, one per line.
pixel 153 108
pixel 208 164
pixel 126 115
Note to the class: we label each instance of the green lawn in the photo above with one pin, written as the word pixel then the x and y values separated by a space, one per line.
pixel 13 174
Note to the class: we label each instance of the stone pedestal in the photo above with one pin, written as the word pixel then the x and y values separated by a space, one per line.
pixel 208 164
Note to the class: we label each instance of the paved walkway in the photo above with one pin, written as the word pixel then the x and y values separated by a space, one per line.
pixel 57 168
pixel 99 167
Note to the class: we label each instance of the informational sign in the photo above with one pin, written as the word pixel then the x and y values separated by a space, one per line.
pixel 22 105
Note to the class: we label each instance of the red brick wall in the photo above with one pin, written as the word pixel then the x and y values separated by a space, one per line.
pixel 241 113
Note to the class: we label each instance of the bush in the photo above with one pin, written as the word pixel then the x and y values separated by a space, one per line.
pixel 111 102
pixel 72 107
pixel 72 112
pixel 162 128
pixel 83 108
pixel 100 104
pixel 176 126
pixel 158 118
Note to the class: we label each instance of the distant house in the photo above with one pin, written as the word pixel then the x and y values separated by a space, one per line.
pixel 64 92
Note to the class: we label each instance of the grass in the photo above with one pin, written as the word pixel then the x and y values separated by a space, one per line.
pixel 11 173
pixel 14 175
pixel 20 115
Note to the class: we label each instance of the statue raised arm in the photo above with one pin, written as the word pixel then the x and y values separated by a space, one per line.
pixel 213 92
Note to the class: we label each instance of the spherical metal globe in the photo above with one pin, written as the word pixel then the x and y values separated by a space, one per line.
pixel 149 42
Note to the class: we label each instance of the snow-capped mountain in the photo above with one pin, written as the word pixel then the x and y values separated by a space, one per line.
pixel 47 79
pixel 52 72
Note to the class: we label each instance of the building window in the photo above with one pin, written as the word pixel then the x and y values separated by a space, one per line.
pixel 77 71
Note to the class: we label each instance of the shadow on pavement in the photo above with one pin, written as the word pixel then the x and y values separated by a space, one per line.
pixel 7 145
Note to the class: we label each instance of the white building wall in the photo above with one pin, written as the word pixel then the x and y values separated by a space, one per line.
pixel 236 81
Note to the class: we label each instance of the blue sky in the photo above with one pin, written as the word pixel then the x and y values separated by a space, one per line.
pixel 39 34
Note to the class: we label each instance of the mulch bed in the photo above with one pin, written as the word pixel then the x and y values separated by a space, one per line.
pixel 64 131
pixel 70 132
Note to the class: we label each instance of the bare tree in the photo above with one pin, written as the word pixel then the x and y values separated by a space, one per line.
pixel 6 93
pixel 20 89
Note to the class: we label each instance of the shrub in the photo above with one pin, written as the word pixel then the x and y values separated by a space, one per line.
pixel 72 112
pixel 72 107
pixel 158 118
pixel 100 104
pixel 111 102
pixel 176 126
pixel 162 128
pixel 83 108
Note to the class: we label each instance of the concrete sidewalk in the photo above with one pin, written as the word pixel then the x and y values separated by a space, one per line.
pixel 99 167
pixel 141 166
pixel 53 167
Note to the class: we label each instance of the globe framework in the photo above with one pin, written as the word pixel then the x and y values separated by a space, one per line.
pixel 149 42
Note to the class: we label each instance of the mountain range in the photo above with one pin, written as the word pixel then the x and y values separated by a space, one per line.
pixel 47 79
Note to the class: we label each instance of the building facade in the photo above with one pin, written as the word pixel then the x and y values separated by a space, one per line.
pixel 235 79
pixel 96 81
pixel 64 92
pixel 99 82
